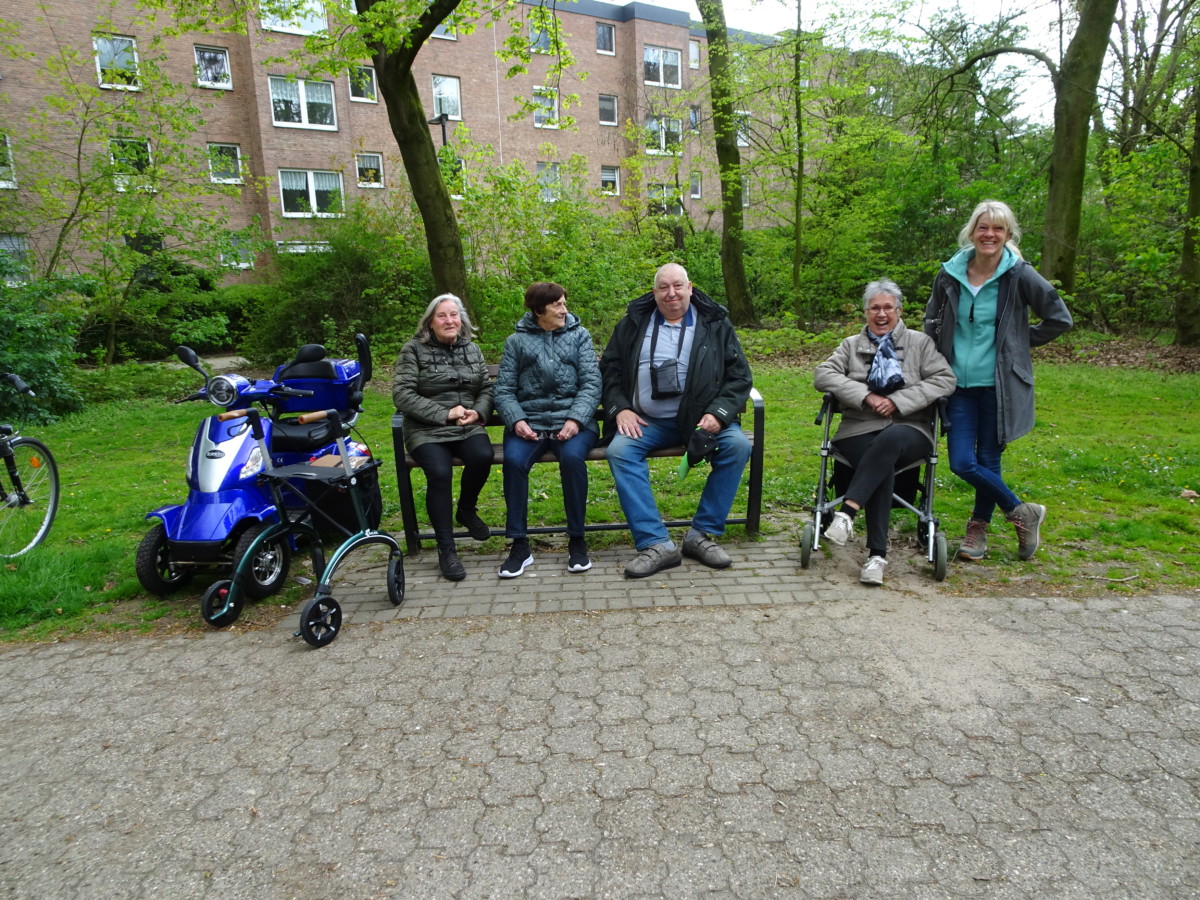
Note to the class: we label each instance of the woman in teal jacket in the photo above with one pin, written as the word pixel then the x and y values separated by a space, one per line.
pixel 547 392
pixel 979 316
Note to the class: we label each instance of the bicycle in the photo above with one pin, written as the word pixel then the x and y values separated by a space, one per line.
pixel 28 486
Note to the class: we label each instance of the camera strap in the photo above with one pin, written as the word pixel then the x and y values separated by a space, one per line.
pixel 659 320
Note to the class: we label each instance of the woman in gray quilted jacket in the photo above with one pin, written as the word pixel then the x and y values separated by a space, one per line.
pixel 547 392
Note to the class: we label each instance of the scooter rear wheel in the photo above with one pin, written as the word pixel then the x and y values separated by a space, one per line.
pixel 153 563
pixel 269 568
pixel 215 605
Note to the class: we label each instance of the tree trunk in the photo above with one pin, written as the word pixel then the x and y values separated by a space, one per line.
pixel 733 267
pixel 1187 304
pixel 1074 100
pixel 798 198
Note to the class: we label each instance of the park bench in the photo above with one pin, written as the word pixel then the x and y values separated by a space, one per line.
pixel 408 507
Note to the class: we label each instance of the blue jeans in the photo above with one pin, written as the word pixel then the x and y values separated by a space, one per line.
pixel 974 449
pixel 519 457
pixel 631 473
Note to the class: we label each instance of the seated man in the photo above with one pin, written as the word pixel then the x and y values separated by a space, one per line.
pixel 673 365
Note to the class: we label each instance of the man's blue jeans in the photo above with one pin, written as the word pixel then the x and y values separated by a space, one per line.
pixel 974 448
pixel 519 456
pixel 627 460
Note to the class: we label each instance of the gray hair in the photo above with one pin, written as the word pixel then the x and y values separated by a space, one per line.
pixel 671 265
pixel 883 286
pixel 424 333
pixel 997 212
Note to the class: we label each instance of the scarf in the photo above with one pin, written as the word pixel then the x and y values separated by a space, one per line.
pixel 885 375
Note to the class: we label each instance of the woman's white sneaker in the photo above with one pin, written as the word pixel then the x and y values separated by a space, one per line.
pixel 872 572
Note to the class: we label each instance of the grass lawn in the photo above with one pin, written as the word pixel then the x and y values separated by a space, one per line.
pixel 1111 453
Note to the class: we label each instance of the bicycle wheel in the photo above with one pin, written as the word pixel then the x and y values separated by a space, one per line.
pixel 29 495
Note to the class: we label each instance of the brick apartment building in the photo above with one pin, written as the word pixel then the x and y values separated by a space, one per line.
pixel 314 142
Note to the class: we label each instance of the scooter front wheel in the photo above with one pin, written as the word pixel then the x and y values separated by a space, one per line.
pixel 268 570
pixel 218 606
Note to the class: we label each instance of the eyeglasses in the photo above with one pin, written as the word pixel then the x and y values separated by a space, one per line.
pixel 876 310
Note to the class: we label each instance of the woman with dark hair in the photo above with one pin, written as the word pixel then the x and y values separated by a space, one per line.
pixel 547 393
pixel 979 315
pixel 442 386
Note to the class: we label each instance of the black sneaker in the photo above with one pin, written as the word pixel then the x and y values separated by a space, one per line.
pixel 519 559
pixel 475 526
pixel 451 565
pixel 577 555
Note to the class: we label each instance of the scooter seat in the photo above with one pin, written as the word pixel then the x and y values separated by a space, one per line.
pixel 289 436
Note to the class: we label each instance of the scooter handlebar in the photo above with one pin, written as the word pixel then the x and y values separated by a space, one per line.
pixel 320 416
pixel 232 414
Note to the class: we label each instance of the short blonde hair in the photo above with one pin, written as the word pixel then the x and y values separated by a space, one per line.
pixel 425 334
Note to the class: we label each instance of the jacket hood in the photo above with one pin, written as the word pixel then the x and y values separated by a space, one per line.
pixel 528 324
pixel 705 305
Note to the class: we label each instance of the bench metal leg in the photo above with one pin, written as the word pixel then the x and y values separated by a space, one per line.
pixel 408 506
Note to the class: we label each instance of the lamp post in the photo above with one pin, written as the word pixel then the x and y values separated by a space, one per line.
pixel 440 119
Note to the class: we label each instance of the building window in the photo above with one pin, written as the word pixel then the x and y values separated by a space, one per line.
pixel 225 163
pixel 606 38
pixel 660 66
pixel 309 193
pixel 445 32
pixel 302 104
pixel 608 109
pixel 693 54
pixel 742 121
pixel 548 181
pixel 236 252
pixel 663 135
pixel 14 259
pixel 8 173
pixel 362 84
pixel 745 195
pixel 539 39
pixel 303 247
pixel 131 162
pixel 664 200
pixel 695 186
pixel 447 97
pixel 545 107
pixel 370 169
pixel 309 18
pixel 610 180
pixel 116 62
pixel 212 68
pixel 454 174
pixel 693 118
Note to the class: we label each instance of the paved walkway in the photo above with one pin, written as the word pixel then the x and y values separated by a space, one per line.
pixel 760 732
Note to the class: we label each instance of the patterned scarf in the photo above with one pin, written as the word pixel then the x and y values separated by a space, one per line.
pixel 885 375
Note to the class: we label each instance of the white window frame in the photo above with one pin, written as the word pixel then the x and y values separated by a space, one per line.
pixel 304 23
pixel 654 55
pixel 693 54
pixel 8 170
pixel 359 159
pixel 440 83
pixel 742 124
pixel 695 116
pixel 612 35
pixel 302 88
pixel 658 193
pixel 227 84
pixel 539 39
pixel 121 181
pixel 371 85
pixel 445 32
pixel 540 119
pixel 549 185
pixel 616 180
pixel 665 147
pixel 311 187
pixel 133 85
pixel 303 247
pixel 696 185
pixel 17 248
pixel 616 115
pixel 240 256
pixel 237 157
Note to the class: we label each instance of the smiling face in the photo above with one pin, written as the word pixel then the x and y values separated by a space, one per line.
pixel 554 316
pixel 882 314
pixel 446 322
pixel 989 238
pixel 672 292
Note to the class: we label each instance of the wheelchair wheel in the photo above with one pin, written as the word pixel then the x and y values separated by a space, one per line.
pixel 215 605
pixel 395 578
pixel 939 556
pixel 807 538
pixel 320 621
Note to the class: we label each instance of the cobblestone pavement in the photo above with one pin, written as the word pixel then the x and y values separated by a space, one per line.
pixel 759 732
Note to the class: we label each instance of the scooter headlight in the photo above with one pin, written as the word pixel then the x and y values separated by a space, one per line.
pixel 253 465
pixel 223 390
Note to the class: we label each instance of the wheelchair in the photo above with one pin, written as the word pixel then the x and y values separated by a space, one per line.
pixel 310 499
pixel 913 490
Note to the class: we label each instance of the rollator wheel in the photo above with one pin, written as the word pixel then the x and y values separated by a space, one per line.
pixel 395 578
pixel 320 621
pixel 939 556
pixel 216 606
pixel 807 538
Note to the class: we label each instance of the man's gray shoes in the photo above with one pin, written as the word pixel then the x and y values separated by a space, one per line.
pixel 654 559
pixel 705 549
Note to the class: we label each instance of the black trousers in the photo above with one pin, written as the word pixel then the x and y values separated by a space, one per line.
pixel 434 459
pixel 875 458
